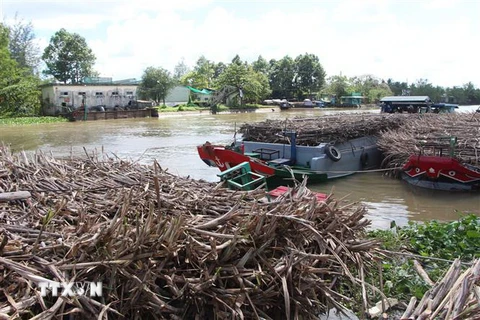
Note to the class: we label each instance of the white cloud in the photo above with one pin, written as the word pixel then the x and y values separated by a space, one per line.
pixel 440 4
pixel 389 39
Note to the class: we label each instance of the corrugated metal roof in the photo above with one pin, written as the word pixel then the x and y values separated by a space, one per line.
pixel 406 99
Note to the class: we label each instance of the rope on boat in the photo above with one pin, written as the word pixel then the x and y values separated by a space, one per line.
pixel 360 171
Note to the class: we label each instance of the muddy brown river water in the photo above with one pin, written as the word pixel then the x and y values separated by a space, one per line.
pixel 171 139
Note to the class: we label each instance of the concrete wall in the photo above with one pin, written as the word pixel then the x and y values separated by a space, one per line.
pixel 59 98
pixel 177 95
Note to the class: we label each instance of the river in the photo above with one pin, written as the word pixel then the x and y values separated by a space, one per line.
pixel 172 139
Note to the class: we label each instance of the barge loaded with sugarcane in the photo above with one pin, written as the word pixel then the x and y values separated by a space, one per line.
pixel 320 148
pixel 440 152
pixel 436 151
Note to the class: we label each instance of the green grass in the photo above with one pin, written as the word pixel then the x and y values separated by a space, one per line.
pixel 443 240
pixel 31 120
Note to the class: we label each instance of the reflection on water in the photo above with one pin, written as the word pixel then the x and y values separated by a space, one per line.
pixel 172 140
pixel 389 199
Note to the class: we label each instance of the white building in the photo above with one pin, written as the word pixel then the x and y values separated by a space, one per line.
pixel 177 95
pixel 59 98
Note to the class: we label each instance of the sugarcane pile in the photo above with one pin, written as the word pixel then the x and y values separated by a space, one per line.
pixel 313 131
pixel 455 296
pixel 167 247
pixel 428 133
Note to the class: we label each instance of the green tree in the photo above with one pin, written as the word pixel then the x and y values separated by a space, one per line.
pixel 19 94
pixel 375 94
pixel 423 87
pixel 282 74
pixel 370 87
pixel 254 85
pixel 21 98
pixel 472 94
pixel 364 83
pixel 68 57
pixel 337 86
pixel 261 65
pixel 22 46
pixel 457 95
pixel 219 69
pixel 237 60
pixel 155 84
pixel 8 66
pixel 309 75
pixel 180 70
pixel 398 88
pixel 202 74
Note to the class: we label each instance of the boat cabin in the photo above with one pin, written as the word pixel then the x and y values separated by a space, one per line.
pixel 443 107
pixel 410 104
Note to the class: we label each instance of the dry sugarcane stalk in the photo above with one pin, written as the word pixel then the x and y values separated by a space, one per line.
pixel 312 131
pixel 422 134
pixel 18 195
pixel 171 247
pixel 422 273
pixel 410 308
pixel 453 297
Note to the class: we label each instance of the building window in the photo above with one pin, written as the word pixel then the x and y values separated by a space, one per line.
pixel 130 93
pixel 64 93
pixel 99 94
pixel 82 93
pixel 115 93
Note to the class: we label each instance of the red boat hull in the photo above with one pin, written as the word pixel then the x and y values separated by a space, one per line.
pixel 445 173
pixel 219 156
pixel 225 158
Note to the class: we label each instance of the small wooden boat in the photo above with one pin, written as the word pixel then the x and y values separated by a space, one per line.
pixel 437 169
pixel 441 173
pixel 227 158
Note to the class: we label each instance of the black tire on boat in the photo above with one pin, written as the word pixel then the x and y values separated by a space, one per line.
pixel 333 153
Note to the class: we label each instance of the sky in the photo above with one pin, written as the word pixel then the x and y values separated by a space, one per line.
pixel 404 40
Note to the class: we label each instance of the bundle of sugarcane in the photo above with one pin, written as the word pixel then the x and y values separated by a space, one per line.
pixel 456 296
pixel 429 133
pixel 169 247
pixel 313 131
